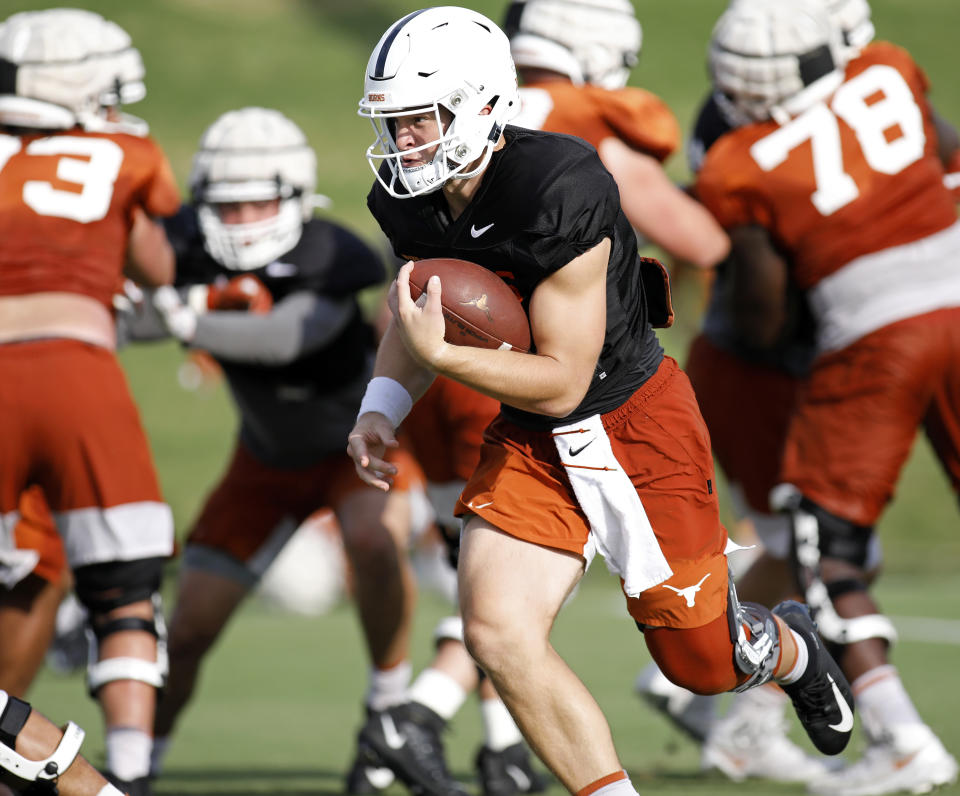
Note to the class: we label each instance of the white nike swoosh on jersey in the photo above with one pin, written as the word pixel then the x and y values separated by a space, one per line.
pixel 393 738
pixel 846 715
pixel 278 269
pixel 476 233
pixel 479 505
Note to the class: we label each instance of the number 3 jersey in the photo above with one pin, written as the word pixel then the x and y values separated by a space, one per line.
pixel 65 208
pixel 866 159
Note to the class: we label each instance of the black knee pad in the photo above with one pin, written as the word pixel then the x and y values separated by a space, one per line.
pixel 105 587
pixel 839 538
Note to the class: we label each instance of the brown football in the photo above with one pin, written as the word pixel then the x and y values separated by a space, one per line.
pixel 480 309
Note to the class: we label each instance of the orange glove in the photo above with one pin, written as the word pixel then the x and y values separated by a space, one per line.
pixel 243 293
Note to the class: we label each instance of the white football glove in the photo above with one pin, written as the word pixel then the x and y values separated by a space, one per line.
pixel 180 320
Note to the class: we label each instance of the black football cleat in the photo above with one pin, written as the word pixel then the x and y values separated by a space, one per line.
pixel 367 774
pixel 406 738
pixel 822 696
pixel 508 772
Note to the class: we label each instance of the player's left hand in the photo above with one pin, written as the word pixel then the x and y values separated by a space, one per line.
pixel 180 320
pixel 420 323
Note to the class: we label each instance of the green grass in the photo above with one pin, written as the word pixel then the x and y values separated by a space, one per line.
pixel 281 695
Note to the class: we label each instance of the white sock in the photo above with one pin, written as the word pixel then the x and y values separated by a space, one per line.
pixel 883 702
pixel 128 753
pixel 800 665
pixel 109 790
pixel 388 686
pixel 500 730
pixel 439 692
pixel 161 745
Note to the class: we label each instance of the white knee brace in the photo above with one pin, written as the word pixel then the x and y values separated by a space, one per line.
pixel 16 770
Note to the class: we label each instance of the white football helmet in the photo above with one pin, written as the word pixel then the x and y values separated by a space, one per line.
pixel 444 57
pixel 853 18
pixel 249 155
pixel 773 59
pixel 589 41
pixel 65 66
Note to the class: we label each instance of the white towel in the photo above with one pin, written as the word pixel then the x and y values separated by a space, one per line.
pixel 618 522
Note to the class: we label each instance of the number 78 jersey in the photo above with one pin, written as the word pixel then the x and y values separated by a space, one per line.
pixel 853 175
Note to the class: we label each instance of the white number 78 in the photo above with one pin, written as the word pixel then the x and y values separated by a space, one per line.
pixel 836 188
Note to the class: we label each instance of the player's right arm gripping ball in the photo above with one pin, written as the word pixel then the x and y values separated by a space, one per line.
pixel 479 308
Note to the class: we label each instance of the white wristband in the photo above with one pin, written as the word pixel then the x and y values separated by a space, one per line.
pixel 388 397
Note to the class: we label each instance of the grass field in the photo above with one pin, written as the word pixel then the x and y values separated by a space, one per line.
pixel 280 700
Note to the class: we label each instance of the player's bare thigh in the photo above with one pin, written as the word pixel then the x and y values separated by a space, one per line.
pixel 510 584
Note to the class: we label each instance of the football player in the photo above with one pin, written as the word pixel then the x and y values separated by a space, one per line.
pixel 270 292
pixel 574 58
pixel 80 183
pixel 838 157
pixel 746 396
pixel 598 445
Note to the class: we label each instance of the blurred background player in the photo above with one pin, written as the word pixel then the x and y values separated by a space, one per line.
pixel 747 395
pixel 573 60
pixel 79 185
pixel 840 161
pixel 444 431
pixel 38 758
pixel 271 293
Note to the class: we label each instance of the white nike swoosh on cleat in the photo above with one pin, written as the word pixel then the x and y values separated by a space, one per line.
pixel 393 738
pixel 476 233
pixel 519 776
pixel 380 778
pixel 846 715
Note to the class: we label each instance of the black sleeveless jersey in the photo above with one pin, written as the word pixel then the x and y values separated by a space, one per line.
pixel 544 200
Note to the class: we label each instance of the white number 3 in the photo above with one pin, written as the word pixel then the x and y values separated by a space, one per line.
pixel 95 171
pixel 895 108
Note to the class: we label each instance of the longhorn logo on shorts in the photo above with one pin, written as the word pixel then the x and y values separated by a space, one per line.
pixel 480 304
pixel 690 592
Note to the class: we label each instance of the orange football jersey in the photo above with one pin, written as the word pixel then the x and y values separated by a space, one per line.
pixel 65 208
pixel 850 176
pixel 637 117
